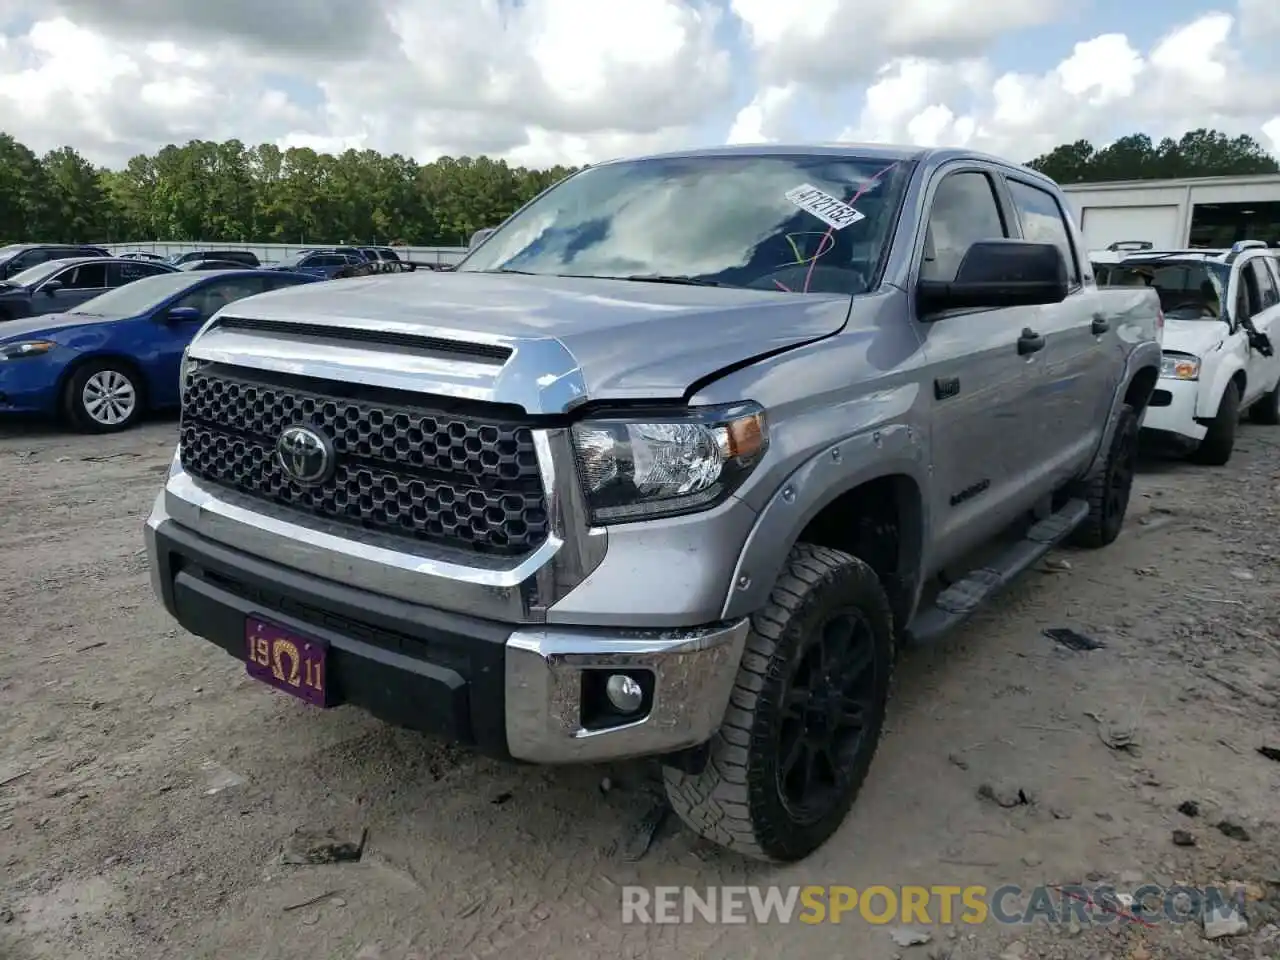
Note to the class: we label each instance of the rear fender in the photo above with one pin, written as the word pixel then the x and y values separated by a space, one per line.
pixel 1146 355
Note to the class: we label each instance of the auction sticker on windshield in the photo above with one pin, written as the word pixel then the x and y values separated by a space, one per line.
pixel 833 212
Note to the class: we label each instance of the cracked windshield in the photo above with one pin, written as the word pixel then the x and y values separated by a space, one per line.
pixel 795 225
pixel 1188 290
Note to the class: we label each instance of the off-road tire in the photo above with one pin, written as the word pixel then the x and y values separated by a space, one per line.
pixel 73 397
pixel 736 801
pixel 1107 491
pixel 1267 410
pixel 1215 449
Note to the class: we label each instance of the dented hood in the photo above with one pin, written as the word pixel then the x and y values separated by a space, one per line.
pixel 1196 337
pixel 566 339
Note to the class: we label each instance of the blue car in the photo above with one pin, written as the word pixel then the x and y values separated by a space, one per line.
pixel 109 360
pixel 321 264
pixel 58 285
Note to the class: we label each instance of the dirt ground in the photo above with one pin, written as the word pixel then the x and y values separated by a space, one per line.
pixel 147 785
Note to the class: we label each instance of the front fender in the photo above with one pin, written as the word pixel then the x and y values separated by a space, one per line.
pixel 1209 396
pixel 893 449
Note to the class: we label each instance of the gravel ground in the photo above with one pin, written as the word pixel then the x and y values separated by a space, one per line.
pixel 147 786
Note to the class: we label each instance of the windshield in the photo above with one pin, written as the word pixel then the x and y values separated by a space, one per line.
pixel 796 224
pixel 33 275
pixel 292 260
pixel 138 296
pixel 1188 289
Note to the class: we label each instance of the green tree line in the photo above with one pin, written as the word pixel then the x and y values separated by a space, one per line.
pixel 1198 153
pixel 229 192
pixel 232 192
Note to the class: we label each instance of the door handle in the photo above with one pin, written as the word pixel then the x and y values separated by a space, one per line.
pixel 1029 342
pixel 1100 324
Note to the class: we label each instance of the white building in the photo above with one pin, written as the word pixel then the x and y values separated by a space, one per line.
pixel 1174 214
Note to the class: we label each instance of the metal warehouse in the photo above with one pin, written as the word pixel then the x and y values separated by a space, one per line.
pixel 1173 214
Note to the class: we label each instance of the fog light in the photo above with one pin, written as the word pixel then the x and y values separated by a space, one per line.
pixel 624 693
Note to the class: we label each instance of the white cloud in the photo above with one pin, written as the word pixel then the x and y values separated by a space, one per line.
pixel 828 43
pixel 758 121
pixel 1192 77
pixel 573 81
pixel 544 80
pixel 1260 21
pixel 1271 132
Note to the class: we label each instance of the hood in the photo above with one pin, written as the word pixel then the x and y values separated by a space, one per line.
pixel 577 338
pixel 10 289
pixel 46 326
pixel 1196 337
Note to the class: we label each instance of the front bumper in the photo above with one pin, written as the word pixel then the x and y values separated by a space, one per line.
pixel 30 384
pixel 511 691
pixel 1173 409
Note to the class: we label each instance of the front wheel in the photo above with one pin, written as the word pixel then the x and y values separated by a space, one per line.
pixel 804 717
pixel 1215 449
pixel 104 396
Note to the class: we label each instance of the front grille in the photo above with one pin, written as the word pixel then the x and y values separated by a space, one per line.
pixel 402 468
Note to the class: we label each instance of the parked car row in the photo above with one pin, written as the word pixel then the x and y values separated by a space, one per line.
pixel 103 362
pixel 98 339
pixel 250 259
pixel 16 257
pixel 53 286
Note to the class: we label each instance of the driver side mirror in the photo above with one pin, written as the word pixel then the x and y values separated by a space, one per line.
pixel 52 287
pixel 999 273
pixel 183 315
pixel 479 237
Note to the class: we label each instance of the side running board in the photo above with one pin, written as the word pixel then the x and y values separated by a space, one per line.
pixel 959 601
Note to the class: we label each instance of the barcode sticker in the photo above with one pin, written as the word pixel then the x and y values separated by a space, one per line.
pixel 833 212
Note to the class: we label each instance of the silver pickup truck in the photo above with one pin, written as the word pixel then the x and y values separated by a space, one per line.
pixel 669 466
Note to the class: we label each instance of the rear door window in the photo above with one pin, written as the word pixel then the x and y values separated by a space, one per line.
pixel 30 259
pixel 86 276
pixel 1043 222
pixel 118 274
pixel 1268 295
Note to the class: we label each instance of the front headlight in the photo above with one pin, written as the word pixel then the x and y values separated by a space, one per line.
pixel 639 468
pixel 27 348
pixel 1180 366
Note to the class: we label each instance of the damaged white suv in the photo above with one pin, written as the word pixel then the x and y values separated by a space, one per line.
pixel 1222 310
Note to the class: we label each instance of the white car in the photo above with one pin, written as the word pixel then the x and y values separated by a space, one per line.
pixel 1222 312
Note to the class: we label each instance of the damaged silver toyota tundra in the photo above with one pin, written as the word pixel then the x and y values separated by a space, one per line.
pixel 670 466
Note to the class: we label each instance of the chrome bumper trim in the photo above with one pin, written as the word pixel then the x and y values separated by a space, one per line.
pixel 694 674
pixel 518 590
pixel 158 516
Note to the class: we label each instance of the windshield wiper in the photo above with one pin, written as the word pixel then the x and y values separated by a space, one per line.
pixel 637 278
pixel 660 278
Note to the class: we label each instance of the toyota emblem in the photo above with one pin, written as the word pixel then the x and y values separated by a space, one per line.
pixel 306 457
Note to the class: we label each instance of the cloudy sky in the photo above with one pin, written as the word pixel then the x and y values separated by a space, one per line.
pixel 543 81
